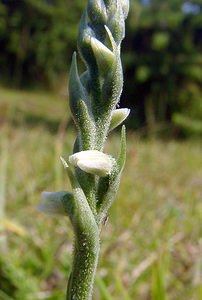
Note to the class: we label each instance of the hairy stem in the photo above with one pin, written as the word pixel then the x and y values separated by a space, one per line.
pixel 86 252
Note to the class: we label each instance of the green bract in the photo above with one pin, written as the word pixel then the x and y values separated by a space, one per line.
pixel 94 175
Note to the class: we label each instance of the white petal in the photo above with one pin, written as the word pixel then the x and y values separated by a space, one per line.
pixel 88 154
pixel 93 162
pixel 118 116
pixel 101 168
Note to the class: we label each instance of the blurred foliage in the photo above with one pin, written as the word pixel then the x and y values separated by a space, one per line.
pixel 11 274
pixel 37 39
pixel 163 66
pixel 161 54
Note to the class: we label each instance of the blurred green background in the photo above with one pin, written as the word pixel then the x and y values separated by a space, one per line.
pixel 162 56
pixel 152 243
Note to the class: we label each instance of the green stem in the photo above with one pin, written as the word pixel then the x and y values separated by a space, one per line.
pixel 86 245
pixel 86 252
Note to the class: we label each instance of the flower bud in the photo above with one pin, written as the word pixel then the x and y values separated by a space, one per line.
pixel 104 57
pixel 118 116
pixel 93 162
pixel 125 7
pixel 97 11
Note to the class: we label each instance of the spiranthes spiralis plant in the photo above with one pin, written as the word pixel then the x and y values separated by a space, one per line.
pixel 94 175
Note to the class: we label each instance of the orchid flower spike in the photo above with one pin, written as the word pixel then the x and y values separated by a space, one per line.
pixel 94 176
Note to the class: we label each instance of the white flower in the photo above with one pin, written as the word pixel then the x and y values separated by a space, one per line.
pixel 51 203
pixel 118 116
pixel 93 162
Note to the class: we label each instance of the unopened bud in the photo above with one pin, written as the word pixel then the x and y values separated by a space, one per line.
pixel 118 116
pixel 125 7
pixel 103 55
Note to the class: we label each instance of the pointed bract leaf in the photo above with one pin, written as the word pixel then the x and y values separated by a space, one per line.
pixel 110 36
pixel 76 90
pixel 65 165
pixel 122 155
pixel 111 185
pixel 86 125
pixel 84 45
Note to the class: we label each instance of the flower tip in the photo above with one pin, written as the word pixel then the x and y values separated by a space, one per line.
pixel 118 116
pixel 125 7
pixel 125 111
